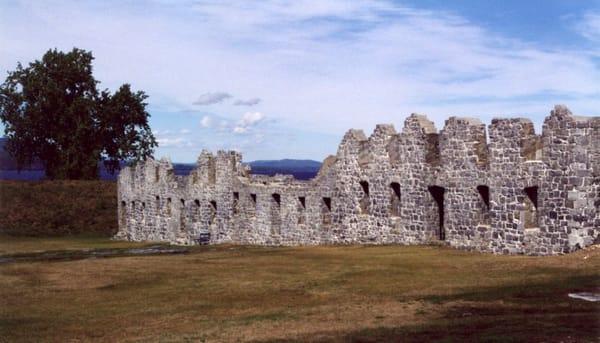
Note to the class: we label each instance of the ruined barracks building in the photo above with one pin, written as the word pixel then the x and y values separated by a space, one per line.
pixel 518 193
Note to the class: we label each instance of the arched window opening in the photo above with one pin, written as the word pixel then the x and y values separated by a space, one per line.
pixel 395 199
pixel 196 211
pixel 365 201
pixel 530 207
pixel 484 192
pixel 437 193
pixel 277 199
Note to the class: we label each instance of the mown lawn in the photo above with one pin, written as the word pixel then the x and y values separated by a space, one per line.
pixel 351 293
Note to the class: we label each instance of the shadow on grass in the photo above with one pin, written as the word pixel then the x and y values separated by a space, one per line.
pixel 72 255
pixel 539 312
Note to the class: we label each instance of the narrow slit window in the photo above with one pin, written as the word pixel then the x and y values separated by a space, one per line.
pixel 365 201
pixel 213 212
pixel 301 210
pixel 182 216
pixel 395 199
pixel 236 199
pixel 327 203
pixel 484 192
pixel 530 207
pixel 302 202
pixel 326 211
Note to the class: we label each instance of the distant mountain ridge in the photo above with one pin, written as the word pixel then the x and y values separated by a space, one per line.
pixel 300 169
pixel 286 163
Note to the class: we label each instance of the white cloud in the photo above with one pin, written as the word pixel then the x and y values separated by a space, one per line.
pixel 211 98
pixel 178 142
pixel 184 131
pixel 589 26
pixel 206 122
pixel 249 102
pixel 249 119
pixel 324 66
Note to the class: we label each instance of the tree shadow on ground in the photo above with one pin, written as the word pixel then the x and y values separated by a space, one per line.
pixel 540 312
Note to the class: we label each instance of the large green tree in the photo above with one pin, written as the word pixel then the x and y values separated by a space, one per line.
pixel 54 113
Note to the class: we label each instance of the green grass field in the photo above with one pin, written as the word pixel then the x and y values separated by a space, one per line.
pixel 351 293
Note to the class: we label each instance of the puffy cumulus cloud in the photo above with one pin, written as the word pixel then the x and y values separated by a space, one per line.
pixel 252 118
pixel 206 122
pixel 212 98
pixel 249 120
pixel 249 102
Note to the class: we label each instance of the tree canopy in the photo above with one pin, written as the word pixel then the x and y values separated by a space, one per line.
pixel 53 112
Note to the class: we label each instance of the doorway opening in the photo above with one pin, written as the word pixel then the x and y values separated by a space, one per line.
pixel 437 193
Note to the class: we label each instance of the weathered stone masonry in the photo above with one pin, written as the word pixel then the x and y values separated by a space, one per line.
pixel 519 193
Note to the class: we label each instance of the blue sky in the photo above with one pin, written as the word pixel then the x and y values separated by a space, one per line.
pixel 277 79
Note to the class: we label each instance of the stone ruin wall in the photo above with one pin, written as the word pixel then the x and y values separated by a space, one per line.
pixel 521 193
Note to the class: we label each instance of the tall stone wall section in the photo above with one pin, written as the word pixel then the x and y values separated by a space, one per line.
pixel 519 193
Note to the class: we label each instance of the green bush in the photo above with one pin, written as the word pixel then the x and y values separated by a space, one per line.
pixel 55 208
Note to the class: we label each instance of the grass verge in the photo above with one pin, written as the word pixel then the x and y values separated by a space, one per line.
pixel 54 208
